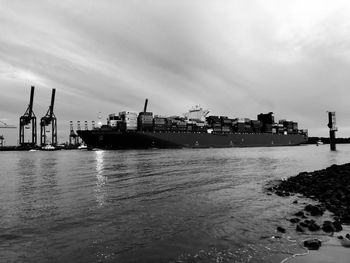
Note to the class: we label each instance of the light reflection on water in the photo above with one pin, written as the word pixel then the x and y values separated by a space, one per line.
pixel 150 205
pixel 100 189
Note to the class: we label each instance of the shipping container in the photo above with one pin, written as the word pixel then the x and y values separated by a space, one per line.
pixel 267 118
pixel 255 123
pixel 146 113
pixel 212 119
pixel 267 128
pixel 226 129
pixel 295 126
pixel 112 123
pixel 282 121
pixel 159 120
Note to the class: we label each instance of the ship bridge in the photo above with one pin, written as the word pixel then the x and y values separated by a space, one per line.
pixel 196 113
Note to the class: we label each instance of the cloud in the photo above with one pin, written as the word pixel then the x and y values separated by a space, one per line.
pixel 238 58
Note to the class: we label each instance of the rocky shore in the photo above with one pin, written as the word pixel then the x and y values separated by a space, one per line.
pixel 331 188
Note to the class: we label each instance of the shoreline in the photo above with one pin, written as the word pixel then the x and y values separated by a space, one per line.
pixel 330 189
pixel 331 251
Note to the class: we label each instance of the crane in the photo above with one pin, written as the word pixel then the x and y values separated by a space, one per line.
pixel 73 137
pixel 5 126
pixel 28 118
pixel 48 119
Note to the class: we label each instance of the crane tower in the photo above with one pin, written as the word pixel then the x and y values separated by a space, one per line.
pixel 25 120
pixel 48 119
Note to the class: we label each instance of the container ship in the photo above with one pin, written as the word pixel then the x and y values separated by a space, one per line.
pixel 194 129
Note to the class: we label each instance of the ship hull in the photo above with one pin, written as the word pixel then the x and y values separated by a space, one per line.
pixel 111 139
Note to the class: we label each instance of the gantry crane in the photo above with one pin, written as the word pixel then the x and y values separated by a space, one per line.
pixel 48 119
pixel 4 125
pixel 25 120
pixel 73 137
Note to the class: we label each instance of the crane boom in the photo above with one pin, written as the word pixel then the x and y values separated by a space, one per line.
pixel 5 125
pixel 30 108
pixel 52 102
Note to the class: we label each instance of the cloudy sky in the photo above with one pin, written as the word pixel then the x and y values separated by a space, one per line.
pixel 237 58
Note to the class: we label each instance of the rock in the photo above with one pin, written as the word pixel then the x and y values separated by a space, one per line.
pixel 294 220
pixel 281 229
pixel 299 228
pixel 315 210
pixel 314 227
pixel 328 227
pixel 346 218
pixel 340 237
pixel 330 187
pixel 345 242
pixel 300 214
pixel 312 244
pixel 347 236
pixel 304 224
pixel 338 226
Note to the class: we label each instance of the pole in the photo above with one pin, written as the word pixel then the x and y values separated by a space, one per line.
pixel 332 130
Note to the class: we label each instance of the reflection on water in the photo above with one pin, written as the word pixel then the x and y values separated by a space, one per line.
pixel 100 189
pixel 48 192
pixel 27 169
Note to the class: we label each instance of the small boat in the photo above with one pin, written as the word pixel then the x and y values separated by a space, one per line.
pixel 319 142
pixel 82 147
pixel 48 147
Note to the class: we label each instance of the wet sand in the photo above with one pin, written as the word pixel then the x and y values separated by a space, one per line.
pixel 331 251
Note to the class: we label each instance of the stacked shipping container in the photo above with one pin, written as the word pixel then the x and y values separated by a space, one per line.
pixel 144 121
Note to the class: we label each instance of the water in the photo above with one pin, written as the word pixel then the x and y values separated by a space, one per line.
pixel 189 205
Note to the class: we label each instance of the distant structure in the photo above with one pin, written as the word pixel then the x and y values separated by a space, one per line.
pixel 332 129
pixel 25 120
pixel 48 119
pixel 78 129
pixel 99 123
pixel 73 137
pixel 6 126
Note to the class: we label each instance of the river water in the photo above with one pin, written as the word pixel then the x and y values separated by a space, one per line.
pixel 187 205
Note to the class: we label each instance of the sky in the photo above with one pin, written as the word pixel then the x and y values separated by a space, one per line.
pixel 237 58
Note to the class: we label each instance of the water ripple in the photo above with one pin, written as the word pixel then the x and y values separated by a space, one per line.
pixel 187 205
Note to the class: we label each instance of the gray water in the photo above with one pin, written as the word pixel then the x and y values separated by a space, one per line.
pixel 188 205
